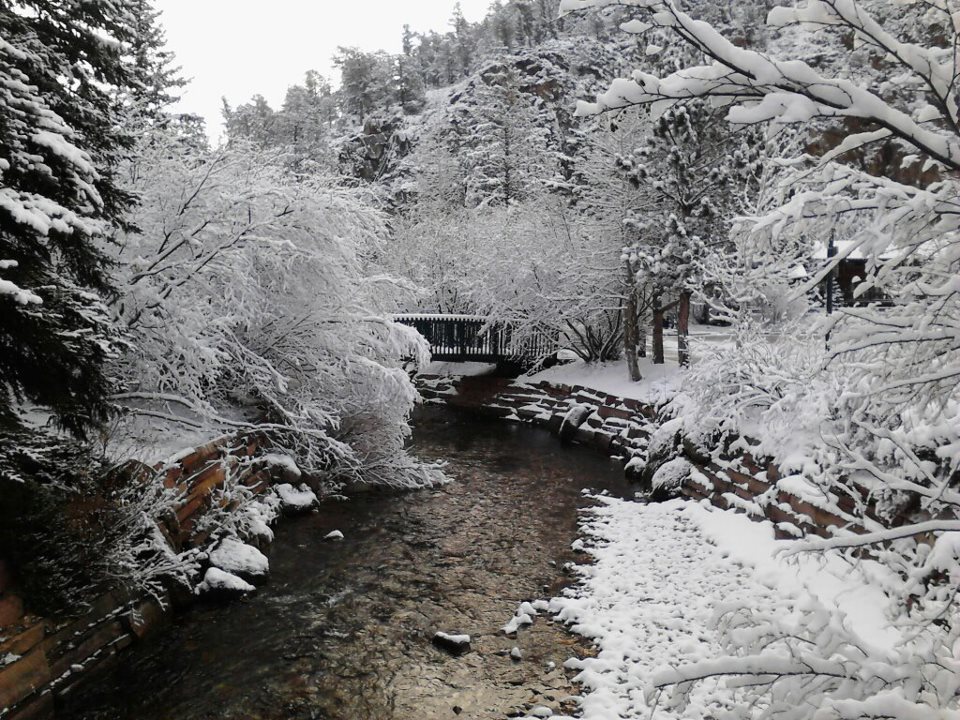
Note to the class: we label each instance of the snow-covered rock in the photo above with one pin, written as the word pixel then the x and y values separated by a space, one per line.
pixel 237 558
pixel 453 643
pixel 286 464
pixel 668 478
pixel 333 535
pixel 575 417
pixel 516 622
pixel 295 499
pixel 540 711
pixel 516 654
pixel 254 520
pixel 218 582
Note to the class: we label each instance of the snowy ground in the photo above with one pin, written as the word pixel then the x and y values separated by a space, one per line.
pixel 661 573
pixel 659 382
pixel 458 369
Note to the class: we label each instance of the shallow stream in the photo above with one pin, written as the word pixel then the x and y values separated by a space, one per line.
pixel 342 630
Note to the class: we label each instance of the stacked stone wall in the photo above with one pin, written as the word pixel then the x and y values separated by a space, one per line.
pixel 621 428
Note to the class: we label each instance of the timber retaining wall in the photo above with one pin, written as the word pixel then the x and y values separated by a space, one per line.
pixel 42 660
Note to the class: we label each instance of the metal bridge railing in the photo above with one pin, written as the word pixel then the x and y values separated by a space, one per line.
pixel 470 337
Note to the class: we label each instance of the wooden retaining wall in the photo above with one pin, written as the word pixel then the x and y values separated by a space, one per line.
pixel 55 655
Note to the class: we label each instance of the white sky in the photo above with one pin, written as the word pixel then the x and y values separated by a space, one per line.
pixel 238 48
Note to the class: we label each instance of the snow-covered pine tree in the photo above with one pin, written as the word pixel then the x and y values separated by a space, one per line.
pixel 695 173
pixel 367 81
pixel 61 64
pixel 506 134
pixel 157 77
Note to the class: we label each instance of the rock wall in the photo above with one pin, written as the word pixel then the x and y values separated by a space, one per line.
pixel 43 659
pixel 623 428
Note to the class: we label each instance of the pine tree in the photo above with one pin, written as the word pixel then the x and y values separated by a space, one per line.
pixel 695 169
pixel 507 135
pixel 62 65
pixel 366 81
pixel 157 77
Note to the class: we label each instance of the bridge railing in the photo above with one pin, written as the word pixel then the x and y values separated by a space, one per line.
pixel 470 337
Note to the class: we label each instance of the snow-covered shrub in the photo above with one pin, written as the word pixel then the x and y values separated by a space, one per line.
pixel 74 528
pixel 883 400
pixel 247 300
pixel 794 661
pixel 768 384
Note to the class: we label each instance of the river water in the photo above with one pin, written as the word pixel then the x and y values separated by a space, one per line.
pixel 343 630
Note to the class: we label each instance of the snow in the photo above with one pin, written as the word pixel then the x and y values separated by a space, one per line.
pixel 218 580
pixel 410 317
pixel 524 615
pixel 286 462
pixel 238 558
pixel 661 575
pixel 527 608
pixel 20 295
pixel 295 498
pixel 659 383
pixel 333 535
pixel 452 639
pixel 66 150
pixel 457 369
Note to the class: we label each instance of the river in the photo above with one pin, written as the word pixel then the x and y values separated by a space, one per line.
pixel 342 630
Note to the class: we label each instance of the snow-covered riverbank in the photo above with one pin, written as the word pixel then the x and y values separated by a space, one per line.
pixel 662 574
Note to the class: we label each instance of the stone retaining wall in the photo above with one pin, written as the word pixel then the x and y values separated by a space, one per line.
pixel 622 428
pixel 54 656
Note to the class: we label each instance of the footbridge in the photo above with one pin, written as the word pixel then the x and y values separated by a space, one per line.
pixel 472 338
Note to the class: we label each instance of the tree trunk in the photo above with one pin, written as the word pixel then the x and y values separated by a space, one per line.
pixel 683 324
pixel 630 325
pixel 657 333
pixel 641 339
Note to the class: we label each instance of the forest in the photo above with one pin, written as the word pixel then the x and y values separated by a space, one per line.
pixel 760 201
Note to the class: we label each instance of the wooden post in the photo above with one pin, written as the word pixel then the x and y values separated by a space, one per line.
pixel 657 333
pixel 683 325
pixel 630 336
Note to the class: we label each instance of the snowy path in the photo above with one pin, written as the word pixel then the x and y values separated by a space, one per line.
pixel 661 572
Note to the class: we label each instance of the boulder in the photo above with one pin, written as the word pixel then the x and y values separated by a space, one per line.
pixel 224 585
pixel 237 558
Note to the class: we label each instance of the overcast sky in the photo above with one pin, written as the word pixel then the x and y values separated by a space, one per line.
pixel 238 48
